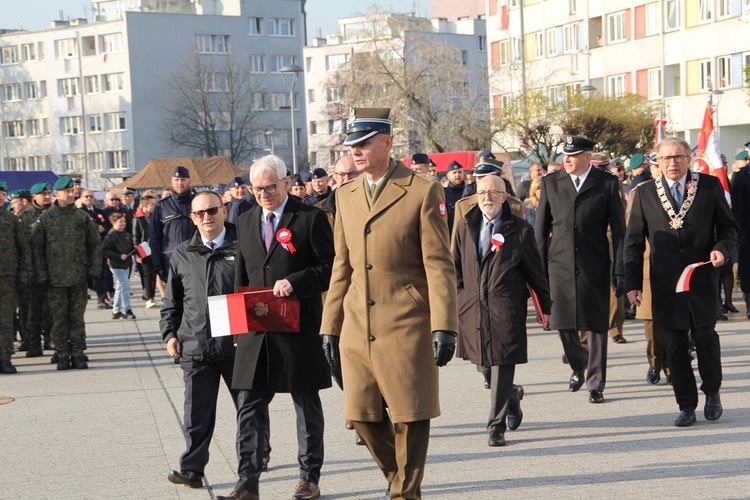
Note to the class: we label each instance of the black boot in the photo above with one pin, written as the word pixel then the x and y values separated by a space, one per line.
pixel 747 304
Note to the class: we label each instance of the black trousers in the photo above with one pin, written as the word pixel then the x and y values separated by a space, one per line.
pixel 501 387
pixel 252 425
pixel 148 277
pixel 202 383
pixel 595 361
pixel 708 349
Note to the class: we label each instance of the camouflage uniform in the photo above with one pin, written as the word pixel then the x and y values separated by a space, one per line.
pixel 33 310
pixel 67 249
pixel 15 268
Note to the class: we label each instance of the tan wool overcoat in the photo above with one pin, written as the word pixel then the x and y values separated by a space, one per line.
pixel 393 284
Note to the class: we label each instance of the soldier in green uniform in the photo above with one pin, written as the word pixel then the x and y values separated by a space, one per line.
pixel 36 318
pixel 67 250
pixel 15 272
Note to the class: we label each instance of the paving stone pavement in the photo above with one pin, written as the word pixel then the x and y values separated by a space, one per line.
pixel 113 431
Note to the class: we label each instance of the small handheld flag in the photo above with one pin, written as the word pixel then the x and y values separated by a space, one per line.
pixel 683 284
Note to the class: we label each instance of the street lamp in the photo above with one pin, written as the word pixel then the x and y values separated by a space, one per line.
pixel 588 88
pixel 295 70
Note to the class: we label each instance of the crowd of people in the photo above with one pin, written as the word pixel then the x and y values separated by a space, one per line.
pixel 394 272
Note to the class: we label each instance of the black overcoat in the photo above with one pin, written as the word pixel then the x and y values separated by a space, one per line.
pixel 276 361
pixel 571 235
pixel 708 225
pixel 492 295
pixel 741 211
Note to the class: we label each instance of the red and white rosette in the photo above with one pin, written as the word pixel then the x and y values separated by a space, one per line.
pixel 497 241
pixel 284 237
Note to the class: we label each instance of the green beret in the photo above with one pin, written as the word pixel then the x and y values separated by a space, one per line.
pixel 742 155
pixel 636 161
pixel 3 186
pixel 40 187
pixel 63 182
pixel 19 193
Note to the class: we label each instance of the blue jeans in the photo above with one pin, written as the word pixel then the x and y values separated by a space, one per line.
pixel 122 291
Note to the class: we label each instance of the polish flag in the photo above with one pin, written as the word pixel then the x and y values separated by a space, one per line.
pixel 659 135
pixel 143 249
pixel 227 314
pixel 683 284
pixel 708 158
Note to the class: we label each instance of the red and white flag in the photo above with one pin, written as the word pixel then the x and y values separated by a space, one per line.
pixel 708 158
pixel 228 314
pixel 683 284
pixel 143 249
pixel 659 126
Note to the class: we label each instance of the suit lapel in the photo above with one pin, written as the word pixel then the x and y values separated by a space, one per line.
pixel 286 220
pixel 594 177
pixel 255 231
pixel 359 197
pixel 394 190
pixel 565 182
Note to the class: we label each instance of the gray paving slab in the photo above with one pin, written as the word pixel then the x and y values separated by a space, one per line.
pixel 113 431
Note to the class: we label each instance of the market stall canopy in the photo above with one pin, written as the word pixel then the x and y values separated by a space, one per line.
pixel 203 172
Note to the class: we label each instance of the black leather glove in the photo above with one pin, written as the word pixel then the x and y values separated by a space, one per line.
pixel 163 275
pixel 331 352
pixel 91 281
pixel 444 345
pixel 619 283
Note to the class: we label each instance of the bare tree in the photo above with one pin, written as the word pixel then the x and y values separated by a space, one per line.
pixel 402 64
pixel 211 110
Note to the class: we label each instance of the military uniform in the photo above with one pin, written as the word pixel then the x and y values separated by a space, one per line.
pixel 15 269
pixel 67 250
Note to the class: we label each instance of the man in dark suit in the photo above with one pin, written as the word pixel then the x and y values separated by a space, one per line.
pixel 686 218
pixel 296 263
pixel 741 210
pixel 577 205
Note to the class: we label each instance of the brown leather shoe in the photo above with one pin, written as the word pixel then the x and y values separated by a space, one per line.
pixel 240 494
pixel 306 491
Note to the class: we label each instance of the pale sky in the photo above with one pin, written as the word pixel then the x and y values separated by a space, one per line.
pixel 37 14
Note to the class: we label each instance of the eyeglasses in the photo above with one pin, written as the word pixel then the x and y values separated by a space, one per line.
pixel 666 160
pixel 210 211
pixel 490 192
pixel 270 189
pixel 113 199
pixel 88 196
pixel 350 175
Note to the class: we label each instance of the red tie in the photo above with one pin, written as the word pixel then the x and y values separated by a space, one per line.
pixel 268 233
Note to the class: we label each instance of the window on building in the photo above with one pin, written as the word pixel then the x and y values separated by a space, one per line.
pixel 28 52
pixel 652 19
pixel 313 127
pixel 654 83
pixel 723 8
pixel 10 55
pixel 211 44
pixel 705 75
pixel 33 128
pixel 279 100
pixel 310 95
pixel 616 85
pixel 336 154
pixel 515 49
pixel 40 51
pixel 72 162
pixel 217 82
pixel 117 160
pixel 539 45
pixel 336 126
pixel 111 42
pixel 278 62
pixel 616 27
pixel 95 124
pixel 671 14
pixel 43 89
pixel 551 42
pixel 572 6
pixel 67 48
pixel 705 11
pixel 313 158
pixel 333 61
pixel 482 43
pixel 70 125
pixel 35 163
pixel 68 87
pixel 257 63
pixel 333 94
pixel 282 137
pixel 13 129
pixel 12 92
pixel 570 38
pixel 255 25
pixel 32 90
pixel 280 27
pixel 88 45
pixel 259 101
pixel 96 161
pixel 91 84
pixel 724 70
pixel 45 126
pixel 504 53
pixel 115 122
pixel 15 163
pixel 113 82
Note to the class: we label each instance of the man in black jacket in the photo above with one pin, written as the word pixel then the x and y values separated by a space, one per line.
pixel 201 267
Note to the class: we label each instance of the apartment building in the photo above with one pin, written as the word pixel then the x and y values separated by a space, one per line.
pixel 675 53
pixel 325 129
pixel 91 98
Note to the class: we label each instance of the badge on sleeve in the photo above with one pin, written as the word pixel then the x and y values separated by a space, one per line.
pixel 284 237
pixel 441 208
pixel 497 241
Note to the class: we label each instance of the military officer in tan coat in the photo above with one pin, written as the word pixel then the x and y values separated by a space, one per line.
pixel 391 303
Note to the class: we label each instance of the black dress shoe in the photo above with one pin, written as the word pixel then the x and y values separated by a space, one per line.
pixel 55 358
pixel 722 317
pixel 576 380
pixel 240 494
pixel 515 414
pixel 64 363
pixel 7 368
pixel 23 346
pixel 596 397
pixel 34 351
pixel 103 305
pixel 79 363
pixel 496 438
pixel 730 308
pixel 686 418
pixel 564 359
pixel 713 408
pixel 264 464
pixel 186 477
pixel 653 377
pixel 619 339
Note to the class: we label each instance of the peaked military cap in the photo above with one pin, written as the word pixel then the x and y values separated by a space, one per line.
pixel 63 182
pixel 488 166
pixel 298 182
pixel 76 180
pixel 128 192
pixel 319 173
pixel 367 122
pixel 454 165
pixel 574 144
pixel 181 172
pixel 419 158
pixel 486 154
pixel 236 182
pixel 40 187
pixel 305 176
